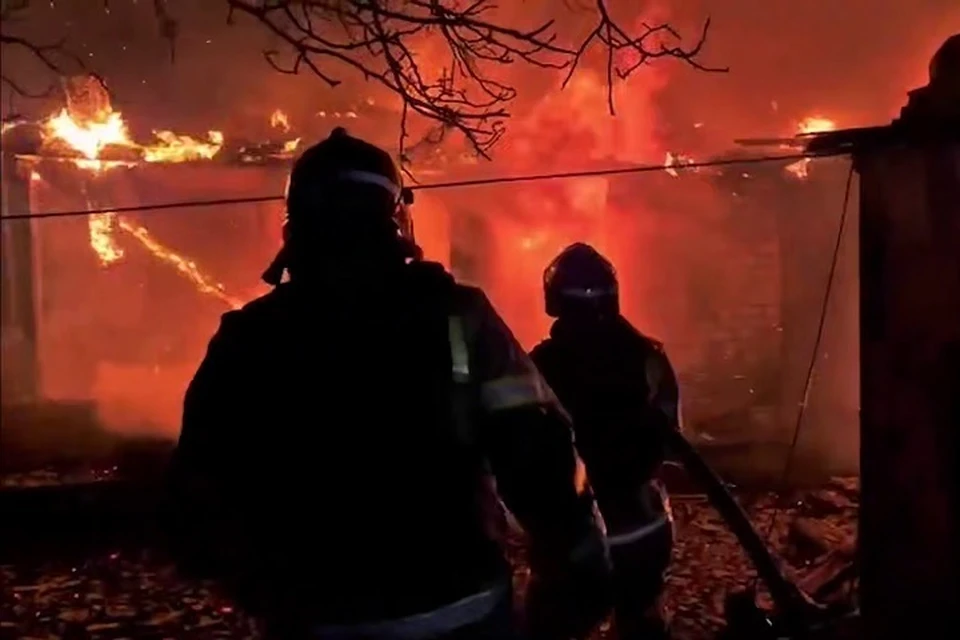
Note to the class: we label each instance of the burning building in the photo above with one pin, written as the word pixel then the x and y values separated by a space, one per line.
pixel 115 307
pixel 112 305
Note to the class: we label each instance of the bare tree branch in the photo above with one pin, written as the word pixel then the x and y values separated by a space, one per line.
pixel 169 27
pixel 54 56
pixel 379 40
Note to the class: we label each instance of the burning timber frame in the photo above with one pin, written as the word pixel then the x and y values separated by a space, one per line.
pixel 20 273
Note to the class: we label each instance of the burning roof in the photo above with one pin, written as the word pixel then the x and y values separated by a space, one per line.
pixel 95 138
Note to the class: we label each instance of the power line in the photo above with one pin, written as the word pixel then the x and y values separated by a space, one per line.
pixel 456 184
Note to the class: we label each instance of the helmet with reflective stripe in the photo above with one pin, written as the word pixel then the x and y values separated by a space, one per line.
pixel 580 281
pixel 341 192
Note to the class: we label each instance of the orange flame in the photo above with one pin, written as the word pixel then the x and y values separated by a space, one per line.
pixel 186 267
pixel 103 128
pixel 279 120
pixel 816 124
pixel 177 148
pixel 106 128
pixel 811 124
pixel 102 240
pixel 91 137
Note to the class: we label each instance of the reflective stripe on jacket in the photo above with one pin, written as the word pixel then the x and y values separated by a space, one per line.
pixel 654 514
pixel 431 624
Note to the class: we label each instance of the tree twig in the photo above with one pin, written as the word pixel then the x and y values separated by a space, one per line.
pixel 52 56
pixel 379 40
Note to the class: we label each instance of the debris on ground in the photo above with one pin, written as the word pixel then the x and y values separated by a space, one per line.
pixel 139 594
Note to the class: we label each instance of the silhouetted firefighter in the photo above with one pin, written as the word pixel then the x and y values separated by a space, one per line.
pixel 620 390
pixel 336 438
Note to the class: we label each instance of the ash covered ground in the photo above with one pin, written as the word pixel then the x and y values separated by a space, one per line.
pixel 136 593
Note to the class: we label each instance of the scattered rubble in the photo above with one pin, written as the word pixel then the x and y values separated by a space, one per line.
pixel 50 478
pixel 124 595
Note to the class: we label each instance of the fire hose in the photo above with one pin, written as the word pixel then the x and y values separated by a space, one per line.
pixel 796 612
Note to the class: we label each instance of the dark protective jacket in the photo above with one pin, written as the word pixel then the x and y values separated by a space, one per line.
pixel 616 383
pixel 336 438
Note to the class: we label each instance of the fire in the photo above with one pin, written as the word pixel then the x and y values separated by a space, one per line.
pixel 177 148
pixel 674 160
pixel 816 124
pixel 186 267
pixel 107 128
pixel 88 126
pixel 102 240
pixel 279 120
pixel 526 229
pixel 809 125
pixel 89 137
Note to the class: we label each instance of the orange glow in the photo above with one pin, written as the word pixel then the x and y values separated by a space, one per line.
pixel 186 267
pixel 90 134
pixel 816 124
pixel 177 148
pixel 811 124
pixel 528 227
pixel 279 120
pixel 102 239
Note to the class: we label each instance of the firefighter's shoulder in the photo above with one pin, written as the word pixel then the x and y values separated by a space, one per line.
pixel 471 301
pixel 542 352
pixel 652 343
pixel 239 322
pixel 431 275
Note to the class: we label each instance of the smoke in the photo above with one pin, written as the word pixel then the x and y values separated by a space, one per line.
pixel 697 253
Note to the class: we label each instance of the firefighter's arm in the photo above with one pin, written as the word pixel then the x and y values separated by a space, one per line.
pixel 664 387
pixel 528 440
pixel 527 437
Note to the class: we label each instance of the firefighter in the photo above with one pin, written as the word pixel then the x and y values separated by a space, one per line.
pixel 330 472
pixel 621 392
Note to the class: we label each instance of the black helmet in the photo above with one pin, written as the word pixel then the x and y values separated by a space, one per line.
pixel 945 64
pixel 343 187
pixel 580 281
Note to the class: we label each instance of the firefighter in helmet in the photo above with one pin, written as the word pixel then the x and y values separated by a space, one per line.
pixel 621 391
pixel 330 472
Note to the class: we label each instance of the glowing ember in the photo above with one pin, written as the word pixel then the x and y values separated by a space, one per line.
pixel 176 148
pixel 816 124
pixel 799 169
pixel 102 240
pixel 674 160
pixel 812 124
pixel 89 137
pixel 11 124
pixel 186 267
pixel 279 120
pixel 89 126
